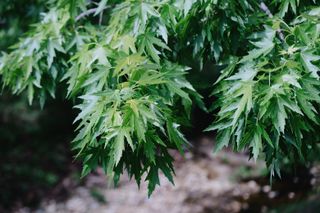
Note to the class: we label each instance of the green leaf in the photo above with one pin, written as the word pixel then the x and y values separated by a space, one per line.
pixel 256 145
pixel 147 44
pixel 306 59
pixel 150 151
pixel 263 47
pixel 223 139
pixel 153 178
pixel 30 93
pixel 118 146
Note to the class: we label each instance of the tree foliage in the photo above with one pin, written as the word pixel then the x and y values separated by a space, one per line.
pixel 124 64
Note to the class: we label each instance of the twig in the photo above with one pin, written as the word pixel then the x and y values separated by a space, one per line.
pixel 88 12
pixel 266 9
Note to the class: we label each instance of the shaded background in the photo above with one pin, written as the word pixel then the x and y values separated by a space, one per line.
pixel 38 172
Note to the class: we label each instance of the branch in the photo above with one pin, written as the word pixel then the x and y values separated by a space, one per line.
pixel 266 9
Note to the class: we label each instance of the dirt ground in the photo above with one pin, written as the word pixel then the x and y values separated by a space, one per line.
pixel 204 183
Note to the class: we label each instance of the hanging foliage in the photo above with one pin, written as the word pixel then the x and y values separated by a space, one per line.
pixel 123 64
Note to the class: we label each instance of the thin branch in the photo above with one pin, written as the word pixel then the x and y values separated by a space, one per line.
pixel 266 9
pixel 88 12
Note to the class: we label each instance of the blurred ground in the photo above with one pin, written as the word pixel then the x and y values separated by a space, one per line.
pixel 204 183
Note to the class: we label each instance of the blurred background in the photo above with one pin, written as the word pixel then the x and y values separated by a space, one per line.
pixel 39 174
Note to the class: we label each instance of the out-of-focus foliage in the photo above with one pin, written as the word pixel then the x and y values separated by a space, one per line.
pixel 30 161
pixel 124 63
pixel 15 18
